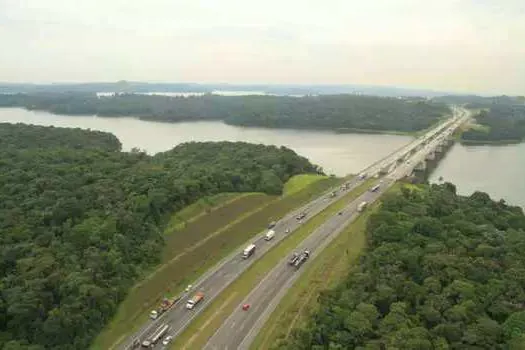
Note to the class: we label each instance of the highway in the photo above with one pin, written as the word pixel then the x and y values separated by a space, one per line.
pixel 225 272
pixel 241 328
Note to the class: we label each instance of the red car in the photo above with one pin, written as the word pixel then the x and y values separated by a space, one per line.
pixel 246 307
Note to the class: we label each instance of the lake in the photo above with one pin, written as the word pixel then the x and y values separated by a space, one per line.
pixel 496 170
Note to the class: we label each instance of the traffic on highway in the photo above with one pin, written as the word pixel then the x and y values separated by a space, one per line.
pixel 171 321
pixel 241 327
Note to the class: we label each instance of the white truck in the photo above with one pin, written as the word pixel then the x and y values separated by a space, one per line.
pixel 269 235
pixel 248 251
pixel 197 298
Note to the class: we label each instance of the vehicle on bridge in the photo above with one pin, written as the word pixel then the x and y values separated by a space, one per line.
pixel 197 298
pixel 248 251
pixel 298 259
pixel 159 333
pixel 375 188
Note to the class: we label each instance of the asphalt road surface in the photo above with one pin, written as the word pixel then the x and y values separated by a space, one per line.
pixel 225 272
pixel 241 328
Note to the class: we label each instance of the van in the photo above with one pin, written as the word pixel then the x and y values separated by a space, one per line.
pixel 269 235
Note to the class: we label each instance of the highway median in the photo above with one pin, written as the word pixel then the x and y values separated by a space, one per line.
pixel 206 323
pixel 325 271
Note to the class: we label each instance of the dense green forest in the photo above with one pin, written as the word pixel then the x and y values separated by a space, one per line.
pixel 442 271
pixel 334 112
pixel 502 122
pixel 80 221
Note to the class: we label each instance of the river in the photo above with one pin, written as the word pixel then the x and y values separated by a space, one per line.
pixel 496 170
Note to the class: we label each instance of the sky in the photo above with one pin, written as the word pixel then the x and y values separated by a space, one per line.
pixel 448 45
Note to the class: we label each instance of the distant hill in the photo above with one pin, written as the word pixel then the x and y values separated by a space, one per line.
pixel 281 89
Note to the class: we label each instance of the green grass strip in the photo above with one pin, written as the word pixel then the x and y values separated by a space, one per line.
pixel 205 325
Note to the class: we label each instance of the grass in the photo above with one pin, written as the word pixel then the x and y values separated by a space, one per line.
pixel 207 236
pixel 298 182
pixel 205 325
pixel 328 269
pixel 203 206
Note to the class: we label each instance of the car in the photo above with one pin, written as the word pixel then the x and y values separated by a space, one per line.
pixel 287 230
pixel 167 340
pixel 188 288
pixel 245 307
pixel 340 213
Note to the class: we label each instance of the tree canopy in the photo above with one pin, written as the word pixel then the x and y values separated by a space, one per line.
pixel 81 221
pixel 334 112
pixel 442 271
pixel 502 123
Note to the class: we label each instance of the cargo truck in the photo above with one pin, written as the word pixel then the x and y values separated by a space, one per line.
pixel 301 259
pixel 159 333
pixel 375 188
pixel 248 251
pixel 164 306
pixel 269 235
pixel 362 206
pixel 197 298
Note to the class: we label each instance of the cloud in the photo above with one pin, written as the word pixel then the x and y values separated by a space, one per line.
pixel 447 44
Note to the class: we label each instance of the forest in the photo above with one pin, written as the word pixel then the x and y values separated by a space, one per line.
pixel 500 123
pixel 82 221
pixel 330 112
pixel 442 271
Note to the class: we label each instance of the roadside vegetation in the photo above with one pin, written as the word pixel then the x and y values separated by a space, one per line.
pixel 344 113
pixel 197 247
pixel 441 271
pixel 82 222
pixel 204 325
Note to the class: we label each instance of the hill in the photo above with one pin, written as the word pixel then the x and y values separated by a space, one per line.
pixel 81 221
pixel 344 113
pixel 442 271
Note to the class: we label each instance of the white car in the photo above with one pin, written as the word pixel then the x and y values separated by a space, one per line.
pixel 167 340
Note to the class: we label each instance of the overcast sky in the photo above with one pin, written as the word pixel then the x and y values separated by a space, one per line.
pixel 458 45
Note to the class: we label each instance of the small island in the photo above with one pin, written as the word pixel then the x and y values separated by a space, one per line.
pixel 341 113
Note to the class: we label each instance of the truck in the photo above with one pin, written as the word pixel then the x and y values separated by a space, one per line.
pixel 361 206
pixel 197 298
pixel 248 251
pixel 269 235
pixel 375 188
pixel 293 258
pixel 159 333
pixel 164 306
pixel 301 259
pixel 301 216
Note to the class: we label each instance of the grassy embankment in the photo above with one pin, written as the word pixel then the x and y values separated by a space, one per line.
pixel 328 269
pixel 197 238
pixel 205 325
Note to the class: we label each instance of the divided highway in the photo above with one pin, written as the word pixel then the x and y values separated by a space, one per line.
pixel 241 328
pixel 225 272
